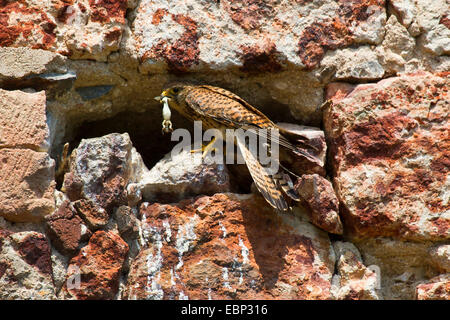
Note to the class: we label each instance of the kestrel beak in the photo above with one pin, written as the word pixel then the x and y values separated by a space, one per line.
pixel 163 94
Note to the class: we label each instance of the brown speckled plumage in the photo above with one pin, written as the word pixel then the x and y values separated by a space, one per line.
pixel 221 109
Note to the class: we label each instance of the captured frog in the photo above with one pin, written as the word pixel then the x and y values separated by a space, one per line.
pixel 166 124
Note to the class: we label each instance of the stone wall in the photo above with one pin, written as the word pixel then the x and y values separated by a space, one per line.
pixel 368 78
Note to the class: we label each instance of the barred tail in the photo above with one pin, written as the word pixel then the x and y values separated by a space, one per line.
pixel 285 183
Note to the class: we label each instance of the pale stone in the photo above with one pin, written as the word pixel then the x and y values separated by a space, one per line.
pixel 20 62
pixel 25 267
pixel 26 185
pixel 23 120
pixel 354 280
pixel 102 166
pixel 182 175
pixel 435 35
pixel 397 47
pixel 437 288
pixel 402 264
pixel 440 256
pixel 406 10
pixel 354 64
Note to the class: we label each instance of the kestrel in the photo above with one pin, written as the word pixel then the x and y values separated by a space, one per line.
pixel 221 109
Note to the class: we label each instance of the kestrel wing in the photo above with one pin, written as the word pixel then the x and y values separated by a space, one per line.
pixel 257 120
pixel 264 121
pixel 227 108
pixel 263 180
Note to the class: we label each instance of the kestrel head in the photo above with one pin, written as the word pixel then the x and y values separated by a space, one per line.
pixel 173 90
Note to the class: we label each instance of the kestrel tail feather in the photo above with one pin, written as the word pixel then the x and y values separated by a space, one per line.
pixel 281 178
pixel 284 181
pixel 263 180
pixel 281 141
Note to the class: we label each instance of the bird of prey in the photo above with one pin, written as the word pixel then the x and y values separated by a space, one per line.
pixel 221 109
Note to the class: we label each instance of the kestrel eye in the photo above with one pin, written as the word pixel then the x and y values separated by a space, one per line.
pixel 175 90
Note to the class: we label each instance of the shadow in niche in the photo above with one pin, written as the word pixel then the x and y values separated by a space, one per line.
pixel 271 246
pixel 144 130
pixel 277 112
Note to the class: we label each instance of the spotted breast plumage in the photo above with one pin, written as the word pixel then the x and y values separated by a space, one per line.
pixel 221 109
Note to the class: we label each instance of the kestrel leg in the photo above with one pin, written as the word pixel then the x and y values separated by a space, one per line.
pixel 205 149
